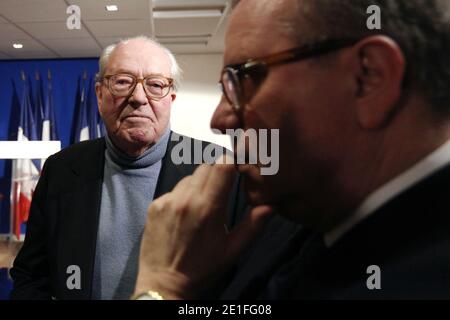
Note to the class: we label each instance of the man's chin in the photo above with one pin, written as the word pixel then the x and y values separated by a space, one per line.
pixel 141 137
pixel 133 141
pixel 287 206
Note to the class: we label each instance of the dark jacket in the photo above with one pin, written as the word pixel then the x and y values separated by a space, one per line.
pixel 408 238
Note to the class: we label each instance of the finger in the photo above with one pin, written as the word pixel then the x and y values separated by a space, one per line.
pixel 251 225
pixel 217 190
pixel 202 173
pixel 219 183
pixel 225 159
pixel 200 177
pixel 182 185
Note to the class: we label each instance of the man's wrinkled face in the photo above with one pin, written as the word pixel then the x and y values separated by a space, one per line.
pixel 304 100
pixel 135 122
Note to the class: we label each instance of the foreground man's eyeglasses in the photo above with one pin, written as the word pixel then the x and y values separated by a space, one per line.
pixel 233 76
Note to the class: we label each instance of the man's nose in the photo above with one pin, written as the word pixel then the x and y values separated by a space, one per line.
pixel 138 97
pixel 225 117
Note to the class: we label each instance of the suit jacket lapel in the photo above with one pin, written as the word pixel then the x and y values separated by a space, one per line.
pixel 78 223
pixel 171 173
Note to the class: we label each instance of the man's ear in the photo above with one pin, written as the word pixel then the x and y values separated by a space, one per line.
pixel 173 95
pixel 380 76
pixel 99 94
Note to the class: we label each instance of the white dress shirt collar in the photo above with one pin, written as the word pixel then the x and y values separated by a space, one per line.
pixel 418 172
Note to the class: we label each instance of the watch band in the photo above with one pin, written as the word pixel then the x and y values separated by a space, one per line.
pixel 149 295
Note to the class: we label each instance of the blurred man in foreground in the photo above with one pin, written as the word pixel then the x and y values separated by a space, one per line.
pixel 364 159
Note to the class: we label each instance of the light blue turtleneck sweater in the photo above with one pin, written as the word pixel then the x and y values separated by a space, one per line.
pixel 128 188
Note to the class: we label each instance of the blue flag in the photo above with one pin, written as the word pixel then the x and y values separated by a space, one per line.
pixel 49 129
pixel 38 106
pixel 48 121
pixel 27 125
pixel 93 112
pixel 81 113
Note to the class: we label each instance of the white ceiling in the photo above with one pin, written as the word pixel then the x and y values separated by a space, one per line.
pixel 196 26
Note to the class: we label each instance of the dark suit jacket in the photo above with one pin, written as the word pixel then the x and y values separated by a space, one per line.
pixel 64 217
pixel 408 238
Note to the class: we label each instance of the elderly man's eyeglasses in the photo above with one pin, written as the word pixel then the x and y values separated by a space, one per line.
pixel 123 85
pixel 238 81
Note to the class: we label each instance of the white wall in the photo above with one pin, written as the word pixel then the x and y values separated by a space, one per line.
pixel 198 97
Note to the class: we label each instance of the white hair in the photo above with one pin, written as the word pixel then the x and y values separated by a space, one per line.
pixel 106 53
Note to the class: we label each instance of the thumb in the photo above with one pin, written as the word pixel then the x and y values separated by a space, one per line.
pixel 251 225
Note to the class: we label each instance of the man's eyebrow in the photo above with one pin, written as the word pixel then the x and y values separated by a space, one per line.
pixel 236 60
pixel 121 71
pixel 134 74
pixel 154 74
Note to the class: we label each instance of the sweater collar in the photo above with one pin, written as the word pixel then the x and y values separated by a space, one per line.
pixel 152 155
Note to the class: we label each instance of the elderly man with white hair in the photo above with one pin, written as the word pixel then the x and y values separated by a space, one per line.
pixel 89 209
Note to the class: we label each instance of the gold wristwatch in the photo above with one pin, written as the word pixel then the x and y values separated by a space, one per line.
pixel 149 295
